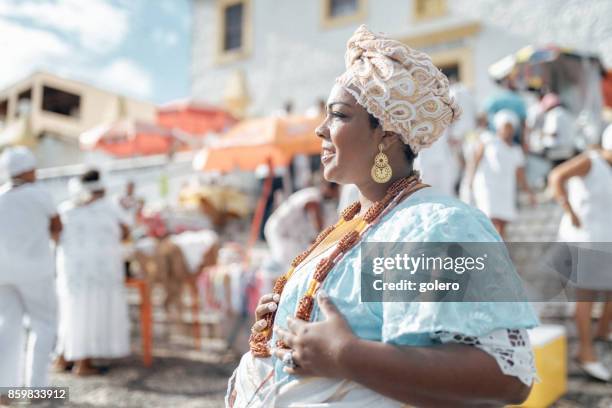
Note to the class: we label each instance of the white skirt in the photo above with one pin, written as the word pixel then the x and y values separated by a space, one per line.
pixel 305 392
pixel 94 322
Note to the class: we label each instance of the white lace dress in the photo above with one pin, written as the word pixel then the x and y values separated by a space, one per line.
pixel 509 347
pixel 497 328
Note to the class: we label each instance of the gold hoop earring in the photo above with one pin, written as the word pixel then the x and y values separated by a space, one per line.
pixel 381 171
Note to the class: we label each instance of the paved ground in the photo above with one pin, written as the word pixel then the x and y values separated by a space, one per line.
pixel 180 377
pixel 183 377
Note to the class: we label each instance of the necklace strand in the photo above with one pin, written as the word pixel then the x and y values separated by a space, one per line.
pixel 258 341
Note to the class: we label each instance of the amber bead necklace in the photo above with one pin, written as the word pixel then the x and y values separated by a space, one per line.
pixel 258 342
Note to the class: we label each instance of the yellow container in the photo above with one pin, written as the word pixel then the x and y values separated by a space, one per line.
pixel 549 343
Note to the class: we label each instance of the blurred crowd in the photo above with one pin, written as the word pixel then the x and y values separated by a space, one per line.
pixel 485 158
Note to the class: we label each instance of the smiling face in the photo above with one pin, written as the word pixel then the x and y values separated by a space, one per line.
pixel 349 142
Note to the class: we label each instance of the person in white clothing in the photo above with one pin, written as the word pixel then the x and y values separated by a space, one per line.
pixel 498 165
pixel 471 142
pixel 298 220
pixel 439 166
pixel 129 204
pixel 29 221
pixel 443 164
pixel 583 187
pixel 94 319
pixel 558 130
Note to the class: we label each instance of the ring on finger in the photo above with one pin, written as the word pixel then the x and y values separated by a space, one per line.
pixel 288 360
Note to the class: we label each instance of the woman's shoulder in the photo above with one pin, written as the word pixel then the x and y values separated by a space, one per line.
pixel 431 216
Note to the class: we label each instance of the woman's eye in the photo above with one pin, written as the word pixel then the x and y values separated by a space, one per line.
pixel 337 114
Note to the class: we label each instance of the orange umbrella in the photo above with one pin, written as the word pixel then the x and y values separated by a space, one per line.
pixel 131 138
pixel 255 141
pixel 272 141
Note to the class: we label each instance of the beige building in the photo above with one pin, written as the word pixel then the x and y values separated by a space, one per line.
pixel 291 51
pixel 49 113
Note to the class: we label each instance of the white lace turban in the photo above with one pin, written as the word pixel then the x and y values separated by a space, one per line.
pixel 17 160
pixel 400 86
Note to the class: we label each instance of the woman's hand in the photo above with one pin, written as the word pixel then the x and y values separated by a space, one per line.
pixel 574 218
pixel 317 347
pixel 569 210
pixel 267 304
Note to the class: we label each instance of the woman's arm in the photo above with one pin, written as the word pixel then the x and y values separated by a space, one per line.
pixel 55 227
pixel 578 166
pixel 125 231
pixel 443 375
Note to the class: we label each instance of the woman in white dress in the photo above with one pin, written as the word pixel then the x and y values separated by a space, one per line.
pixel 498 165
pixel 583 187
pixel 93 307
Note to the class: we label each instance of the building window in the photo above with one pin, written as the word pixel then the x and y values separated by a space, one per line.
pixel 457 63
pixel 63 103
pixel 232 37
pixel 234 29
pixel 24 102
pixel 451 70
pixel 336 13
pixel 427 9
pixel 3 111
pixel 341 8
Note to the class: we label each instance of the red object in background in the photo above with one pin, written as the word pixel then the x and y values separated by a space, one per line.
pixel 155 226
pixel 606 85
pixel 195 118
pixel 179 127
pixel 128 138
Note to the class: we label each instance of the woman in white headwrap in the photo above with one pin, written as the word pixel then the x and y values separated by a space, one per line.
pixel 331 349
pixel 583 188
pixel 28 223
pixel 498 165
pixel 93 307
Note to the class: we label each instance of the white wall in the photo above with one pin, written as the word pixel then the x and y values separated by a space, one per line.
pixel 510 25
pixel 294 58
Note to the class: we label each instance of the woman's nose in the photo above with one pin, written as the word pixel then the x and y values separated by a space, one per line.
pixel 322 131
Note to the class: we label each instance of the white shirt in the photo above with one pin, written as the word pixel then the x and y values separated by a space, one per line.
pixel 90 246
pixel 25 215
pixel 559 132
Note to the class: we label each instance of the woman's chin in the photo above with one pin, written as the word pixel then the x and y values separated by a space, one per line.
pixel 336 177
pixel 330 174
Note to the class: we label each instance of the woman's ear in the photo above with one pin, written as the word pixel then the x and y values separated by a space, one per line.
pixel 390 139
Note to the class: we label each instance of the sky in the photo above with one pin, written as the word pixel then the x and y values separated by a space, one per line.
pixel 139 48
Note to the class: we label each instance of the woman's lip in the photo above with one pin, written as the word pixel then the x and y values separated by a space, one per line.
pixel 326 157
